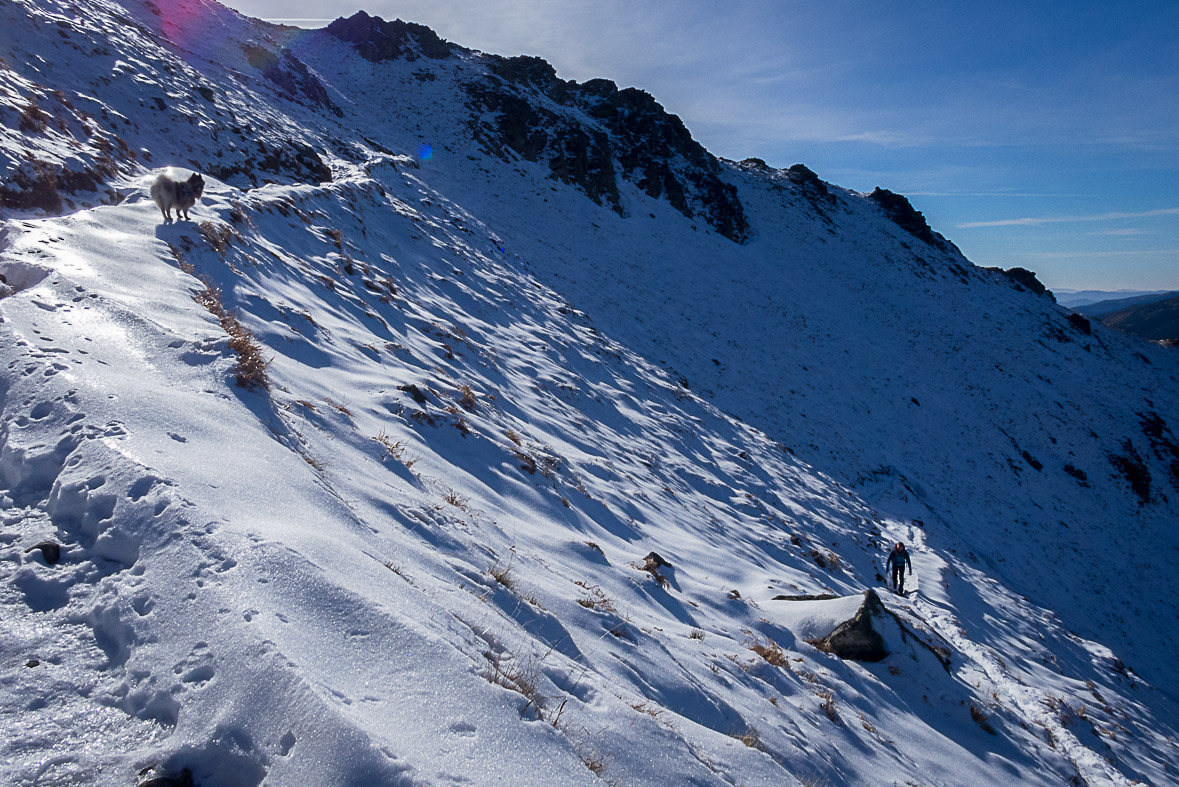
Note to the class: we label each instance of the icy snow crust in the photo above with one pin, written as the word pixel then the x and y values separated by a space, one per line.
pixel 334 583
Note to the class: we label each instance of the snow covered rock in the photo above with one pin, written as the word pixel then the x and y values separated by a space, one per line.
pixel 858 638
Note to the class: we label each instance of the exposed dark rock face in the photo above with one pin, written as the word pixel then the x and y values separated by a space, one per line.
pixel 802 175
pixel 898 208
pixel 1026 280
pixel 292 159
pixel 1080 322
pixel 291 76
pixel 378 40
pixel 855 639
pixel 590 134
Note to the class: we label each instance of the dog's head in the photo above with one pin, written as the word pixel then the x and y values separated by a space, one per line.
pixel 196 185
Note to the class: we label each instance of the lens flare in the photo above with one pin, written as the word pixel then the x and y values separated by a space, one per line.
pixel 425 152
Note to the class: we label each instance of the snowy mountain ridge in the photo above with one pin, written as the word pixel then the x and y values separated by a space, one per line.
pixel 422 555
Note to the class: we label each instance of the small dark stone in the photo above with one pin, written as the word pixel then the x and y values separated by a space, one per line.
pixel 50 551
pixel 413 391
pixel 32 663
pixel 183 779
pixel 819 597
pixel 654 558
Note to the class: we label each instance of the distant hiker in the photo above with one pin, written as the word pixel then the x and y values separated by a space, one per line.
pixel 898 559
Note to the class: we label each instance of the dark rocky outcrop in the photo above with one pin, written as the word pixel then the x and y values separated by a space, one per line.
pixel 802 175
pixel 898 208
pixel 291 160
pixel 1024 279
pixel 592 134
pixel 856 639
pixel 1080 322
pixel 378 40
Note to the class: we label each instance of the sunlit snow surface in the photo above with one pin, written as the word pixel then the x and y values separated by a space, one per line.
pixel 334 583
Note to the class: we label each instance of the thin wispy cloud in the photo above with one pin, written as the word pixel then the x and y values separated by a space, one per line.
pixel 1037 220
pixel 1128 232
pixel 1068 255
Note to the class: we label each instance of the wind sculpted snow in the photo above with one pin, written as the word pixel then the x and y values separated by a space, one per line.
pixel 418 555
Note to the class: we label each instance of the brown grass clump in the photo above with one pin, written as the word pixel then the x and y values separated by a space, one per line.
pixel 218 235
pixel 502 575
pixel 468 400
pixel 748 736
pixel 453 498
pixel 828 705
pixel 981 719
pixel 250 371
pixel 770 651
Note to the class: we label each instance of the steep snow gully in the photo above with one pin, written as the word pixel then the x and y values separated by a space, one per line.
pixel 557 473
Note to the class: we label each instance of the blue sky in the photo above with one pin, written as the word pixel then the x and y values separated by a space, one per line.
pixel 1038 134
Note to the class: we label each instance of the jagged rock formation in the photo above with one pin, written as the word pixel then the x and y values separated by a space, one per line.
pixel 584 130
pixel 1024 279
pixel 898 208
pixel 378 40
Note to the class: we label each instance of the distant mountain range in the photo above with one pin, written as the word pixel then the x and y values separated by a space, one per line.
pixel 1076 298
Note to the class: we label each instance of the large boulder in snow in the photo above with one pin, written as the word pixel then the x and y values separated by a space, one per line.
pixel 856 638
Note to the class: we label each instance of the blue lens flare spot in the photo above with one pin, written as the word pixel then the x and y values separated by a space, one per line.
pixel 425 152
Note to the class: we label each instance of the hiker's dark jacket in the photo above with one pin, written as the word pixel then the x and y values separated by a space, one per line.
pixel 899 557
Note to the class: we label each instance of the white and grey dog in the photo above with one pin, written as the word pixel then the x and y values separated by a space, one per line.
pixel 178 194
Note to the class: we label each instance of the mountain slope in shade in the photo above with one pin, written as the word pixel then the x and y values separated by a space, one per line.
pixel 1099 309
pixel 1157 319
pixel 521 335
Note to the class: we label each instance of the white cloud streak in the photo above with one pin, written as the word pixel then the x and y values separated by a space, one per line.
pixel 1038 220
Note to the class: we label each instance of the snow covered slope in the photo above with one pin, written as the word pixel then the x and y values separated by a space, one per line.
pixel 421 553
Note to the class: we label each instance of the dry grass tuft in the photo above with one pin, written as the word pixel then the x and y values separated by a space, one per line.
pixel 515 438
pixel 218 235
pixel 596 599
pixel 527 463
pixel 339 407
pixel 250 371
pixel 453 498
pixel 770 651
pixel 467 399
pixel 981 719
pixel 748 736
pixel 828 705
pixel 502 575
